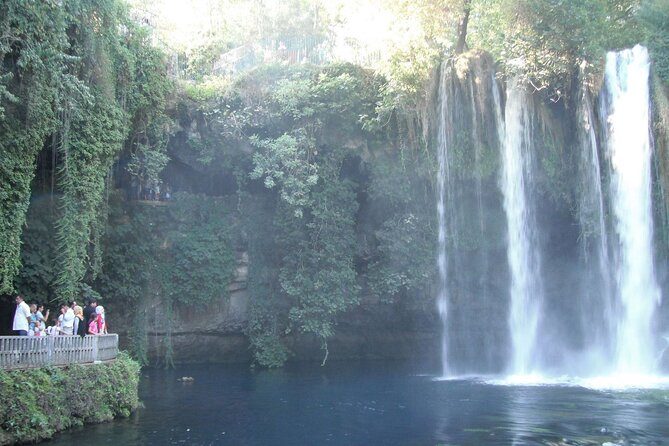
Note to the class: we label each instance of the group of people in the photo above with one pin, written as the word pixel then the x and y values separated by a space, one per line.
pixel 30 320
pixel 152 192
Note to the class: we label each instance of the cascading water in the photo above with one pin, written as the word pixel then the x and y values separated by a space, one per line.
pixel 442 182
pixel 597 300
pixel 469 209
pixel 629 152
pixel 522 250
pixel 580 303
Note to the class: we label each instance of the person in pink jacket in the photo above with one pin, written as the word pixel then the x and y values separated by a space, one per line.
pixel 93 325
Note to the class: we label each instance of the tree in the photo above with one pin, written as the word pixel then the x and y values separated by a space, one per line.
pixel 545 41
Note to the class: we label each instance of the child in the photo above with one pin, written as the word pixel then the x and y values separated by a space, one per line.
pixel 33 319
pixel 38 328
pixel 93 325
pixel 53 330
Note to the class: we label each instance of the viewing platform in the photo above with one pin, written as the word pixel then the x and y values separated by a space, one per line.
pixel 151 202
pixel 24 352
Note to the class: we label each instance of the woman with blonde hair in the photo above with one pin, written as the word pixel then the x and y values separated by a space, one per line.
pixel 79 326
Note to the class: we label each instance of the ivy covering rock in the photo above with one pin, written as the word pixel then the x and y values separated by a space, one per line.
pixel 37 403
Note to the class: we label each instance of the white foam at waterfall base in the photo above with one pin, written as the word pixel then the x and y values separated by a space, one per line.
pixel 615 382
pixel 625 382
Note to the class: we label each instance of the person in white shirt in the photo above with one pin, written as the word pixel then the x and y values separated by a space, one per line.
pixel 21 317
pixel 67 326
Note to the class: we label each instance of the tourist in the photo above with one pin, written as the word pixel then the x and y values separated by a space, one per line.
pixel 93 324
pixel 53 330
pixel 79 321
pixel 102 323
pixel 39 328
pixel 40 314
pixel 58 326
pixel 90 309
pixel 34 318
pixel 21 317
pixel 67 321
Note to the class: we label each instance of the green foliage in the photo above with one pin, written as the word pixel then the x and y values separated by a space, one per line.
pixel 302 99
pixel 554 162
pixel 267 316
pixel 545 41
pixel 33 54
pixel 127 90
pixel 654 16
pixel 393 184
pixel 207 89
pixel 179 253
pixel 316 277
pixel 314 224
pixel 129 253
pixel 301 266
pixel 287 161
pixel 38 271
pixel 144 96
pixel 82 71
pixel 268 349
pixel 249 31
pixel 199 259
pixel 40 402
pixel 406 253
pixel 317 271
pixel 403 258
pixel 88 154
pixel 428 30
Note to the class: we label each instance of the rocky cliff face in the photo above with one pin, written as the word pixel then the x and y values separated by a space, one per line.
pixel 468 107
pixel 214 333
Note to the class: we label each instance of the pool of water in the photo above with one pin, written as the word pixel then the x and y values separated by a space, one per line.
pixel 373 404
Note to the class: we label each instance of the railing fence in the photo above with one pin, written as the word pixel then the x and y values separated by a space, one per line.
pixel 21 352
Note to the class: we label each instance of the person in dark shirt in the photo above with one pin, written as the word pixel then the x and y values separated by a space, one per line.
pixel 89 309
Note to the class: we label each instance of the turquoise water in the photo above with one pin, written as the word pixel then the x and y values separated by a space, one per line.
pixel 372 404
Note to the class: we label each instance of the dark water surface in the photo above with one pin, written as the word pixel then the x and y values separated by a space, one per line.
pixel 372 404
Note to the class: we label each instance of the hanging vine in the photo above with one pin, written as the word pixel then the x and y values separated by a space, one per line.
pixel 32 51
pixel 88 154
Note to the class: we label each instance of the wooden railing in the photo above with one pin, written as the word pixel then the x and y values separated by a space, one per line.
pixel 22 352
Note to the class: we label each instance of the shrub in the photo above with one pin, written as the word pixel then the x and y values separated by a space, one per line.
pixel 40 402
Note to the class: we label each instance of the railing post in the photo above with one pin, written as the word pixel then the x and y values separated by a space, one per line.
pixel 95 348
pixel 49 350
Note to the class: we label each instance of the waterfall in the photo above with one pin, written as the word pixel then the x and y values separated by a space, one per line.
pixel 598 292
pixel 442 184
pixel 477 158
pixel 487 345
pixel 629 152
pixel 469 211
pixel 523 247
pixel 580 303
